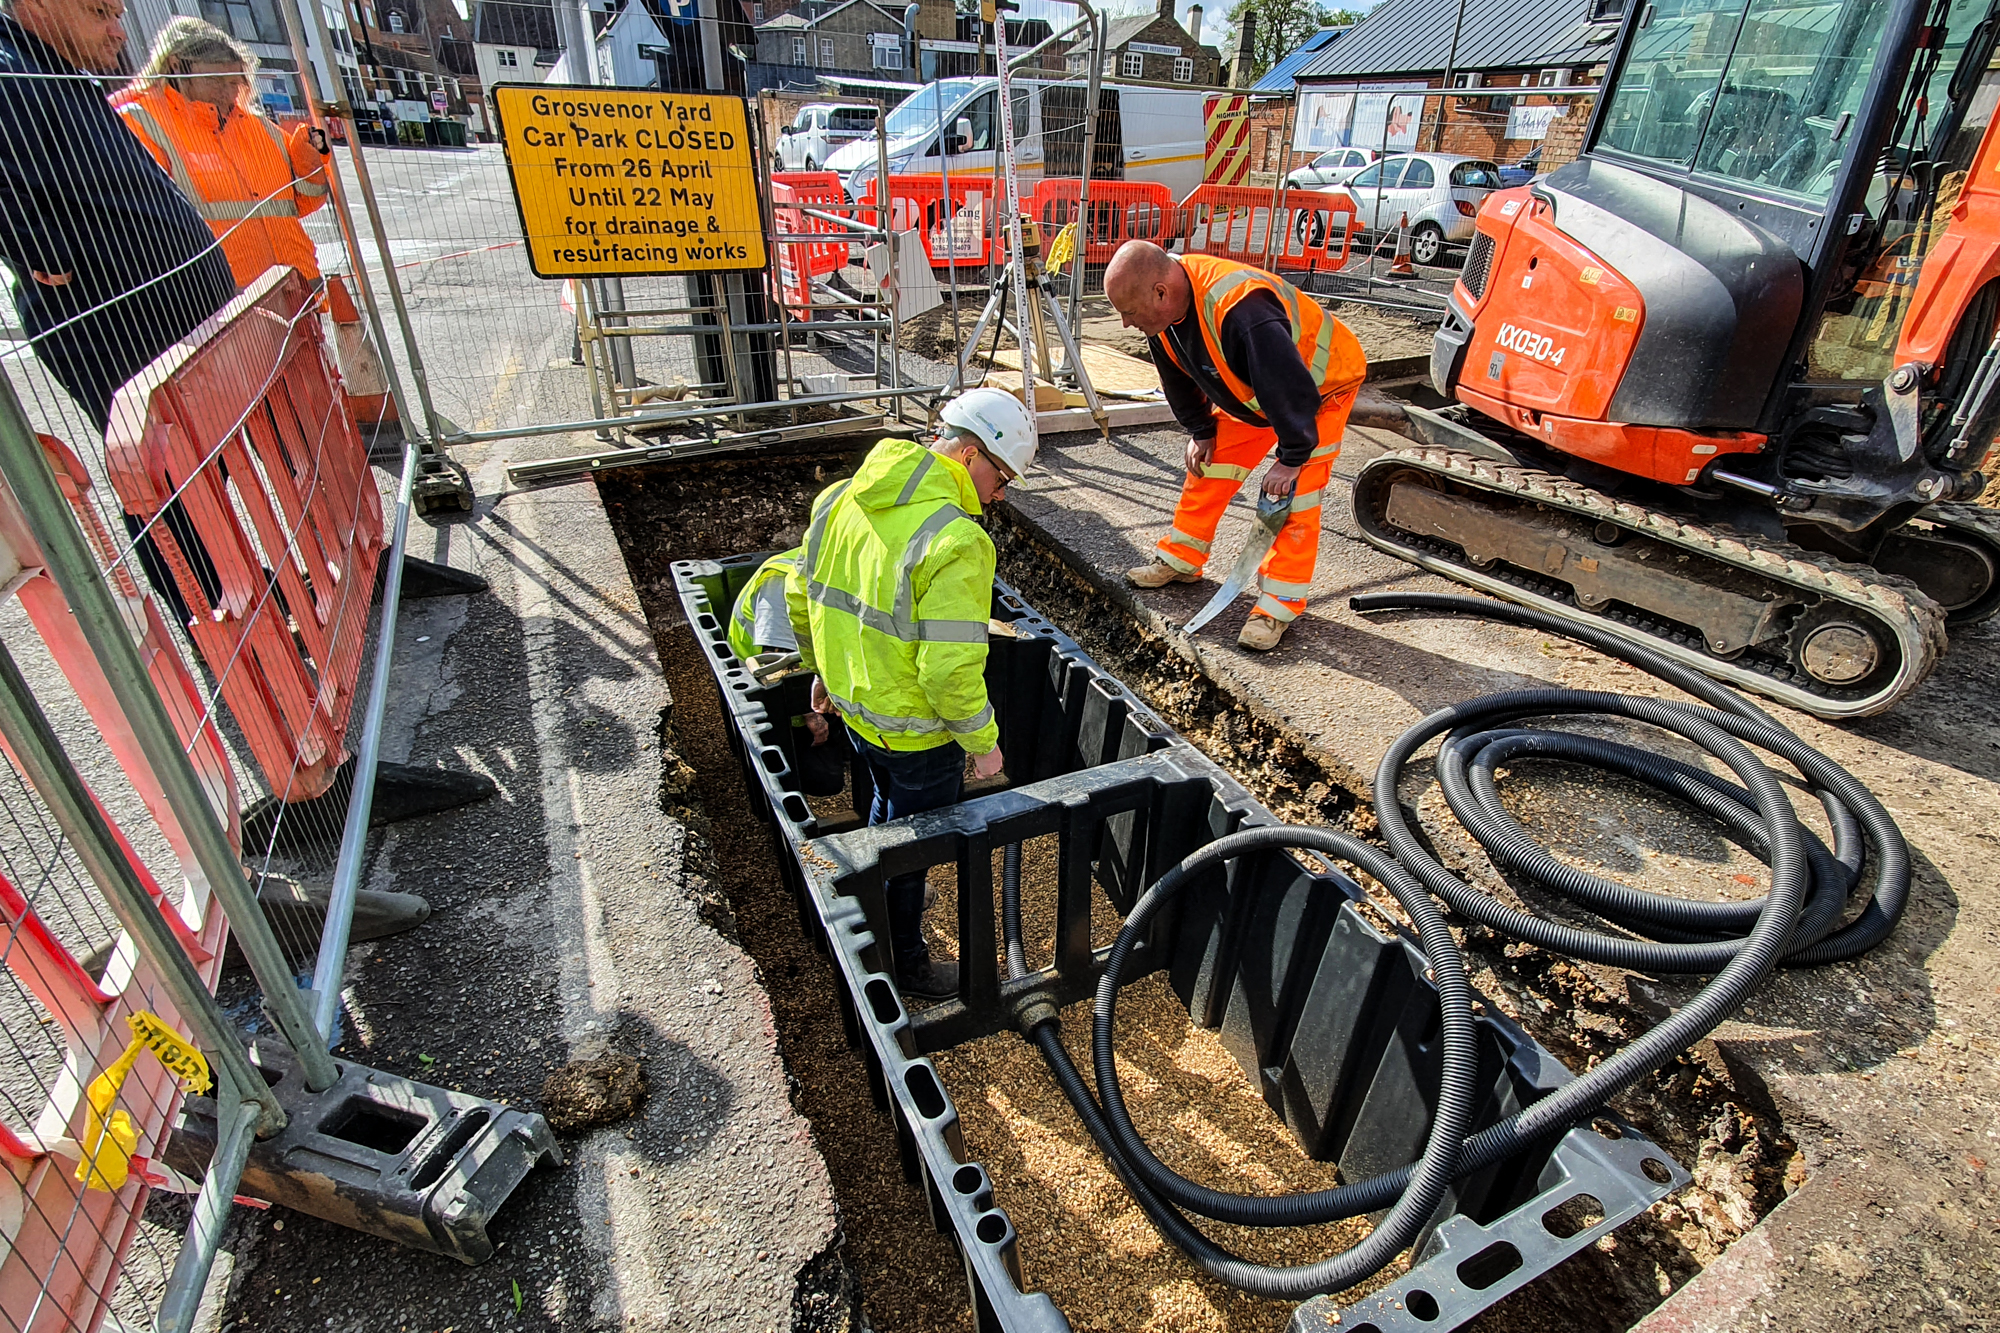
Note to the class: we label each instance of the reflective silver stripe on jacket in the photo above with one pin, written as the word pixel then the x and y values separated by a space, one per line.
pixel 900 621
pixel 226 210
pixel 918 725
pixel 1288 295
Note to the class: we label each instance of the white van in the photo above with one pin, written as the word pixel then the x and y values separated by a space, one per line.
pixel 1143 134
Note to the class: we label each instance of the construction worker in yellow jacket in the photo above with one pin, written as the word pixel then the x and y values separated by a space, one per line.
pixel 249 179
pixel 890 603
pixel 1247 362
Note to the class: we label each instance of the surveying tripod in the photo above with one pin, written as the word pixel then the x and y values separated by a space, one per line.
pixel 1043 310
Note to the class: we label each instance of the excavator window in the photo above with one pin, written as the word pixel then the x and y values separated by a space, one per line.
pixel 1758 91
pixel 1946 110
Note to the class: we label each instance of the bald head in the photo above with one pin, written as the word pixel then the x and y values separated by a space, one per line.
pixel 1147 287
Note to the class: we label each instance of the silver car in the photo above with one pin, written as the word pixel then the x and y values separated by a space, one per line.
pixel 1439 193
pixel 1333 167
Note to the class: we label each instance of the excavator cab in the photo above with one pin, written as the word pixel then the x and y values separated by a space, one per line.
pixel 1760 308
pixel 1762 186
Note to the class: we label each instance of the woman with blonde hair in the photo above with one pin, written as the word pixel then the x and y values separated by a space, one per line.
pixel 250 180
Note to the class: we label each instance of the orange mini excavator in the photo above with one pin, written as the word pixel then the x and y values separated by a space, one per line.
pixel 1724 384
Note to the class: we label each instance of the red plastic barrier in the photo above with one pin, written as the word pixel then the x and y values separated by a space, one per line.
pixel 1312 230
pixel 962 238
pixel 1120 211
pixel 65 1245
pixel 244 421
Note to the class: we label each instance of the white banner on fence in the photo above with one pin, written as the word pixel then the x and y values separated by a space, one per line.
pixel 1376 118
pixel 1532 122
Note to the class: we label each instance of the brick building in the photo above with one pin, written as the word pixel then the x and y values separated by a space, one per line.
pixel 1369 88
pixel 1154 48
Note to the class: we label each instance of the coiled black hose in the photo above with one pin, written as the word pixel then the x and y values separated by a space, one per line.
pixel 1147 1179
pixel 1796 923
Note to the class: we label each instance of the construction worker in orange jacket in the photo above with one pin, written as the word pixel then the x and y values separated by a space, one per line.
pixel 1247 362
pixel 250 180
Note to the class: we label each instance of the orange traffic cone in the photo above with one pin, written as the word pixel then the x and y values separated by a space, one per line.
pixel 1400 266
pixel 361 373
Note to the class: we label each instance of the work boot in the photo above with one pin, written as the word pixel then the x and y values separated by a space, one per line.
pixel 936 979
pixel 1157 574
pixel 1261 632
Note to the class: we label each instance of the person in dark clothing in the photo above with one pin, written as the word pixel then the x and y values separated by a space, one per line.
pixel 112 265
pixel 1247 362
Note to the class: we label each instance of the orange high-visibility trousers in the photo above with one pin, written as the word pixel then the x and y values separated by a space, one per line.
pixel 1285 576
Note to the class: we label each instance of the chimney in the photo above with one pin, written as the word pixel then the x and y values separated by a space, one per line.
pixel 1166 8
pixel 1245 60
pixel 1194 23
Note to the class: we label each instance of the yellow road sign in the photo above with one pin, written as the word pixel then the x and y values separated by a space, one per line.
pixel 620 181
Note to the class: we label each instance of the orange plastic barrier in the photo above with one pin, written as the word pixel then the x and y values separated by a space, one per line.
pixel 1120 211
pixel 814 189
pixel 66 1244
pixel 1312 230
pixel 960 238
pixel 245 423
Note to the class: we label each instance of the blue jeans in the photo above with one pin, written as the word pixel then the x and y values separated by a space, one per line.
pixel 909 782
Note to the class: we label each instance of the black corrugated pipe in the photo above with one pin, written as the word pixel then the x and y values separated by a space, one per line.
pixel 1797 923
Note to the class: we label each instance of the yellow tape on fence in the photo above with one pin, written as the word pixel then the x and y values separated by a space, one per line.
pixel 109 1136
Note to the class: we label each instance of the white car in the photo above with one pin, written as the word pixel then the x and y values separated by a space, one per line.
pixel 820 130
pixel 1333 167
pixel 1439 193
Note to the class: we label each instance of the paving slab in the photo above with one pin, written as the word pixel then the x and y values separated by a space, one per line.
pixel 1877 1078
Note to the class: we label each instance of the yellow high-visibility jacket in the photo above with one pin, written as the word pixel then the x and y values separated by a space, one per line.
pixel 891 597
pixel 766 584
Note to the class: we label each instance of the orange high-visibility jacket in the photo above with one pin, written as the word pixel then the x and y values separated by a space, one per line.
pixel 248 178
pixel 1329 351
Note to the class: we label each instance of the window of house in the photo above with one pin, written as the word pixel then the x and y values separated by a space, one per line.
pixel 1110 66
pixel 245 20
pixel 799 51
pixel 1183 69
pixel 826 53
pixel 395 20
pixel 509 60
pixel 757 13
pixel 889 52
pixel 1135 64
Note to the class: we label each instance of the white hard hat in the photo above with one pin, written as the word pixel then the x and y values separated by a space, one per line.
pixel 1003 425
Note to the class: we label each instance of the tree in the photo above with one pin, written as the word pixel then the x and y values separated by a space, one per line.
pixel 1282 25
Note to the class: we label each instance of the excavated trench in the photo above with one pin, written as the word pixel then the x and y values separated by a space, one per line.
pixel 1079 1232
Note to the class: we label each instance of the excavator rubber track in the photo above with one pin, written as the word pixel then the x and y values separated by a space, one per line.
pixel 1980 525
pixel 1817 633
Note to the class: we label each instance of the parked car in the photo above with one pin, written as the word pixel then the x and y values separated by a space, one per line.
pixel 1332 167
pixel 1440 193
pixel 1520 173
pixel 819 131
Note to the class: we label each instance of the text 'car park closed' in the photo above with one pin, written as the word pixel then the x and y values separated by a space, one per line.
pixel 629 183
